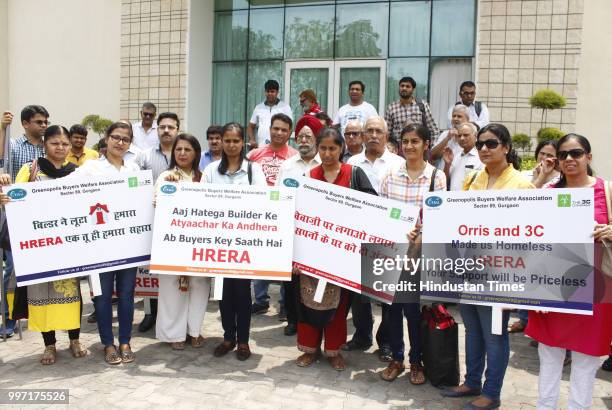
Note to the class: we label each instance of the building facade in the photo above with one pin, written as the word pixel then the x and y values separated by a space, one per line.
pixel 207 60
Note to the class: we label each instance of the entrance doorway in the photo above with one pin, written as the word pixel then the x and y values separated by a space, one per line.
pixel 330 80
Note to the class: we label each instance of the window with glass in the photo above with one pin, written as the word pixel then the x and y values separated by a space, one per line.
pixel 254 38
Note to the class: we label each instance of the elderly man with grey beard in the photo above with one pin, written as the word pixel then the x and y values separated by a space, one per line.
pixel 306 131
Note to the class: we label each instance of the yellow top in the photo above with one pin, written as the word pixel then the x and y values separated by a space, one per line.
pixel 24 173
pixel 510 178
pixel 87 155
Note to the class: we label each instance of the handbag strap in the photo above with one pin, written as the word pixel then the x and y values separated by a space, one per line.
pixel 33 171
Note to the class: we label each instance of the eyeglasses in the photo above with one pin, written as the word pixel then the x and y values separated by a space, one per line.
pixel 491 144
pixel 40 123
pixel 574 153
pixel 118 139
pixel 148 114
pixel 351 134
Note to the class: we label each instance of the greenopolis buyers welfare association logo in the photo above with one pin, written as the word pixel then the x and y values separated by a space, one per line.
pixel 274 195
pixel 395 213
pixel 132 182
pixel 564 200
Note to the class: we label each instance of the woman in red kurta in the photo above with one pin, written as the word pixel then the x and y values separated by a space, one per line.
pixel 588 337
pixel 326 320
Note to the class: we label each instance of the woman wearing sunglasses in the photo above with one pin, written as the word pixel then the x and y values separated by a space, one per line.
pixel 494 146
pixel 588 337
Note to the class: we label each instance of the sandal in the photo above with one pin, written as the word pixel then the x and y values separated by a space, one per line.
pixel 49 355
pixel 306 359
pixel 197 342
pixel 417 374
pixel 394 369
pixel 111 356
pixel 77 349
pixel 177 345
pixel 517 327
pixel 125 351
pixel 337 362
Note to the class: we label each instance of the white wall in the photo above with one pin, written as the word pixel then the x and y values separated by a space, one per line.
pixel 64 55
pixel 594 85
pixel 199 68
pixel 4 96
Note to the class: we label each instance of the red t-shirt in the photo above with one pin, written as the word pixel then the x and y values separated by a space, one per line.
pixel 271 160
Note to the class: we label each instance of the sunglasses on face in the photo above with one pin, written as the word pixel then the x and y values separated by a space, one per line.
pixel 574 153
pixel 490 144
pixel 148 114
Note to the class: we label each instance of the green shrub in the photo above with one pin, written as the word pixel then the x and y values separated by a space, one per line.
pixel 96 123
pixel 547 99
pixel 549 133
pixel 521 141
pixel 527 163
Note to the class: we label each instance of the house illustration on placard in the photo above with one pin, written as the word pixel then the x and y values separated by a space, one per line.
pixel 98 214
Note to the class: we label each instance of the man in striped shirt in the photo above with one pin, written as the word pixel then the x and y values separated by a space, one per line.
pixel 28 147
pixel 157 159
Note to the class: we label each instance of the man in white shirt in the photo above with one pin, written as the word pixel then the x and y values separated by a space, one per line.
pixel 479 113
pixel 462 162
pixel 145 131
pixel 356 109
pixel 263 114
pixel 448 138
pixel 375 161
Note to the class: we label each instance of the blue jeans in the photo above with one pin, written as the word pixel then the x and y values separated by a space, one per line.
pixel 124 280
pixel 363 320
pixel 260 288
pixel 412 312
pixel 523 316
pixel 8 269
pixel 481 346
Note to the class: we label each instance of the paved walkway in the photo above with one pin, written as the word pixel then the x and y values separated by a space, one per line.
pixel 193 378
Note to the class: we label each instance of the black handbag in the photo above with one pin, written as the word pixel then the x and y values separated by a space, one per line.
pixel 440 346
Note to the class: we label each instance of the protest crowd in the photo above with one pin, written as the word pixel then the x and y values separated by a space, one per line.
pixel 401 155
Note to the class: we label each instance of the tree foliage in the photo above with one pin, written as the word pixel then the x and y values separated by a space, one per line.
pixel 547 99
pixel 522 141
pixel 549 133
pixel 96 123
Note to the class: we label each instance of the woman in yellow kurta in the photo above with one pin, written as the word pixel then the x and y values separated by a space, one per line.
pixel 494 146
pixel 53 305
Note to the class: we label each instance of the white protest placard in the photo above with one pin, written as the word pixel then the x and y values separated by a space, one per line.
pixel 234 231
pixel 71 227
pixel 535 248
pixel 331 223
pixel 147 284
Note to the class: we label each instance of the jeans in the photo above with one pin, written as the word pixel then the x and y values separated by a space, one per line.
pixel 291 300
pixel 235 308
pixel 480 346
pixel 8 269
pixel 124 280
pixel 260 288
pixel 364 322
pixel 412 312
pixel 523 316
